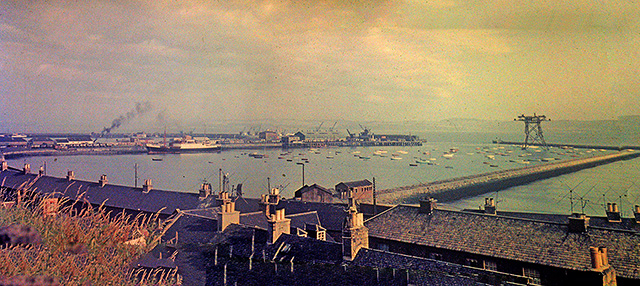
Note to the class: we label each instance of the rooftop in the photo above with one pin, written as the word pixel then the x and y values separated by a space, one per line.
pixel 545 243
pixel 123 197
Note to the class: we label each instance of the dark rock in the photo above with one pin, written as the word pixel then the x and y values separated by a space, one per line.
pixel 18 234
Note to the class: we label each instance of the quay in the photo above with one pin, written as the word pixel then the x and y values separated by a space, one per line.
pixel 19 153
pixel 469 186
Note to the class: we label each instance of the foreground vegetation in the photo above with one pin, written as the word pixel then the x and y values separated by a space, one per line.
pixel 82 246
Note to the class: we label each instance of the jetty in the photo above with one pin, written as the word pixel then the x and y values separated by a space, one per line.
pixel 470 186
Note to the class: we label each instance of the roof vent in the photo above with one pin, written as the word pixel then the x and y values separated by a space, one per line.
pixel 578 223
pixel 427 207
pixel 489 206
pixel 613 213
pixel 103 180
pixel 146 188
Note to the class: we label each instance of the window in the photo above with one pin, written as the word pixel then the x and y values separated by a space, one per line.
pixel 472 262
pixel 490 265
pixel 383 247
pixel 533 274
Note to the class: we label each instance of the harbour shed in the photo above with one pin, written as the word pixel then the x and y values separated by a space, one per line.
pixel 314 193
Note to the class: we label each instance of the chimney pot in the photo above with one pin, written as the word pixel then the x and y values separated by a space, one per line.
pixel 613 213
pixel 27 168
pixel 5 166
pixel 489 206
pixel 70 175
pixel 603 255
pixel 596 258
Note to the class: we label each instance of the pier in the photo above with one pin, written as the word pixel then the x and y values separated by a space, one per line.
pixel 469 186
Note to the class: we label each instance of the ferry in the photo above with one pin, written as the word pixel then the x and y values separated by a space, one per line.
pixel 186 144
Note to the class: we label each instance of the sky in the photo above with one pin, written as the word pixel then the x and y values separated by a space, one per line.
pixel 68 66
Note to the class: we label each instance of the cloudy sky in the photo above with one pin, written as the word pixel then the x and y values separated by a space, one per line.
pixel 77 65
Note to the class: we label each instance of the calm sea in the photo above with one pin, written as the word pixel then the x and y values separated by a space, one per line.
pixel 588 189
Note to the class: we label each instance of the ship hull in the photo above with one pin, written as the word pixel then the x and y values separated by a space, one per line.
pixel 155 149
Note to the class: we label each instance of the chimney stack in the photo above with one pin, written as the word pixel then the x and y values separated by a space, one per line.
pixel 228 215
pixel 50 207
pixel 103 180
pixel 70 176
pixel 278 225
pixel 270 201
pixel 146 188
pixel 489 206
pixel 599 258
pixel 427 207
pixel 27 168
pixel 356 236
pixel 5 166
pixel 205 190
pixel 613 213
pixel 223 197
pixel 578 223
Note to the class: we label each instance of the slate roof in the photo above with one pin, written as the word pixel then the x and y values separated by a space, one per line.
pixel 307 249
pixel 538 242
pixel 190 227
pixel 257 219
pixel 594 221
pixel 122 197
pixel 159 257
pixel 331 215
pixel 441 272
pixel 307 188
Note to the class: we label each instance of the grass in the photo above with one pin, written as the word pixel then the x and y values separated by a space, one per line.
pixel 82 247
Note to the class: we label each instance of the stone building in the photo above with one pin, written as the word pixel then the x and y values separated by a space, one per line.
pixel 314 193
pixel 360 189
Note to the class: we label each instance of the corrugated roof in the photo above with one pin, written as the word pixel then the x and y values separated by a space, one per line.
pixel 530 241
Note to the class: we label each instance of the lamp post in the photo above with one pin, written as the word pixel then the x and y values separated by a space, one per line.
pixel 302 164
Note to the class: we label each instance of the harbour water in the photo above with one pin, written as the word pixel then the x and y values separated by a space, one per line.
pixel 391 167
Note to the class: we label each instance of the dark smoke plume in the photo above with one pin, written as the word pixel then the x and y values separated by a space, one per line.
pixel 140 109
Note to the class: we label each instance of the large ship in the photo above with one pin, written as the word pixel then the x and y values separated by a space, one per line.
pixel 186 144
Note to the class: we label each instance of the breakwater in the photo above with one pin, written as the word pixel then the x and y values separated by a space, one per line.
pixel 604 147
pixel 469 186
